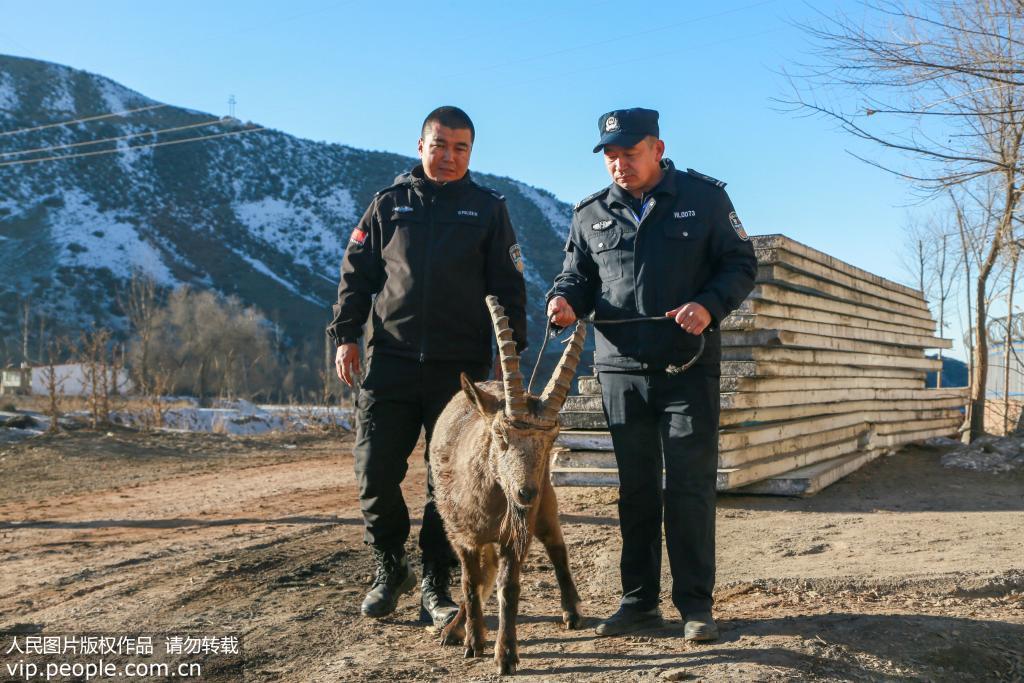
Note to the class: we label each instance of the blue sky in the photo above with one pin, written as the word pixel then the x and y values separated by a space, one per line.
pixel 533 75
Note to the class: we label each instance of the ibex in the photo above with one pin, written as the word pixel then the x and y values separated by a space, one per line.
pixel 490 458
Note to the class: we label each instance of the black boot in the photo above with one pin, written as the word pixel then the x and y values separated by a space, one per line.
pixel 700 627
pixel 394 578
pixel 436 604
pixel 627 620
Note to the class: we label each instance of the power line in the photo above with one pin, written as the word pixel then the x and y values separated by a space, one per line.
pixel 87 118
pixel 113 139
pixel 131 147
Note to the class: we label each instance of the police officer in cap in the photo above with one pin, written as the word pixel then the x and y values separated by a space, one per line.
pixel 424 256
pixel 657 242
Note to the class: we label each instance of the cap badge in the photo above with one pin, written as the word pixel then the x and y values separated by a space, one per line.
pixel 611 124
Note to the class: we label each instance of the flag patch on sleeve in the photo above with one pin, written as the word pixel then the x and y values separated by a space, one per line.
pixel 358 236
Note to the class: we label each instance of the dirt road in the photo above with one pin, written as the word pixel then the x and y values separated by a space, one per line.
pixel 903 571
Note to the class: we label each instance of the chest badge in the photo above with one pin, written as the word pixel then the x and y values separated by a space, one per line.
pixel 690 213
pixel 403 209
pixel 467 212
pixel 602 225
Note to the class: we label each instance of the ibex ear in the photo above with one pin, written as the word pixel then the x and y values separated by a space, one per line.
pixel 486 404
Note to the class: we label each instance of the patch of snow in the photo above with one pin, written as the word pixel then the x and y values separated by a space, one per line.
pixel 245 419
pixel 9 99
pixel 60 99
pixel 342 204
pixel 987 454
pixel 128 157
pixel 557 214
pixel 103 240
pixel 261 267
pixel 311 236
pixel 533 277
pixel 115 97
pixel 36 424
pixel 11 207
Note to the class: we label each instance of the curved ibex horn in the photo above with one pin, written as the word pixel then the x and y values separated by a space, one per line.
pixel 557 389
pixel 515 394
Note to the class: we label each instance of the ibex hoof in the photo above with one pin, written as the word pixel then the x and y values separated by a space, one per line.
pixel 507 667
pixel 473 652
pixel 572 620
pixel 453 634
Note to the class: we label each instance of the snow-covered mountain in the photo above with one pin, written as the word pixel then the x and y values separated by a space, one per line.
pixel 261 215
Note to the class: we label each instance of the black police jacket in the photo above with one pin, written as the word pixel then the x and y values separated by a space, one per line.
pixel 422 260
pixel 687 245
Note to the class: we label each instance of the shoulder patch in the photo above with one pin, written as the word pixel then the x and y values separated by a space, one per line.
pixel 491 191
pixel 586 200
pixel 391 187
pixel 706 178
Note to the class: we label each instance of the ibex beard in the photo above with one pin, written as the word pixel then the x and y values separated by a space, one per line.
pixel 490 458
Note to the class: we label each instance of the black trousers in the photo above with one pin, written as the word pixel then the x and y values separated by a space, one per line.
pixel 399 396
pixel 665 421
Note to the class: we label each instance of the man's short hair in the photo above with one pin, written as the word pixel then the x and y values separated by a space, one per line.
pixel 449 117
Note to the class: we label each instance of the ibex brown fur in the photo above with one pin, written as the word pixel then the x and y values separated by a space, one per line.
pixel 490 454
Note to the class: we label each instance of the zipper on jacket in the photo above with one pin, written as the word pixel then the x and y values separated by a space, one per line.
pixel 426 277
pixel 645 211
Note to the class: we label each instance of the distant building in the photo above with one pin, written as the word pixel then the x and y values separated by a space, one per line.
pixel 14 381
pixel 72 379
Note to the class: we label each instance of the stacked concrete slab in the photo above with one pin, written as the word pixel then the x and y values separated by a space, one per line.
pixel 823 370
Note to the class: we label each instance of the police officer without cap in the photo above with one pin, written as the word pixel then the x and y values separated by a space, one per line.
pixel 423 257
pixel 657 242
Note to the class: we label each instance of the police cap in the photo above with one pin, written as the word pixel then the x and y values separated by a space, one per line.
pixel 626 127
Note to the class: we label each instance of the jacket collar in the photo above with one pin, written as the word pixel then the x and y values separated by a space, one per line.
pixel 666 186
pixel 424 185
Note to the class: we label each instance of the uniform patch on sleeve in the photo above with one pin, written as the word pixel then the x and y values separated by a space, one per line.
pixel 516 254
pixel 358 236
pixel 734 220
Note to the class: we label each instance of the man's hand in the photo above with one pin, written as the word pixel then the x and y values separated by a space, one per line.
pixel 692 317
pixel 346 362
pixel 560 312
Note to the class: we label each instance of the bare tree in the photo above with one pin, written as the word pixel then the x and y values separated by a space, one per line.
pixel 54 384
pixel 214 346
pixel 918 253
pixel 26 311
pixel 94 350
pixel 933 261
pixel 157 385
pixel 937 87
pixel 139 304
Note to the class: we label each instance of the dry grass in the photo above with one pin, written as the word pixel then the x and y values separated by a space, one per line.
pixel 71 404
